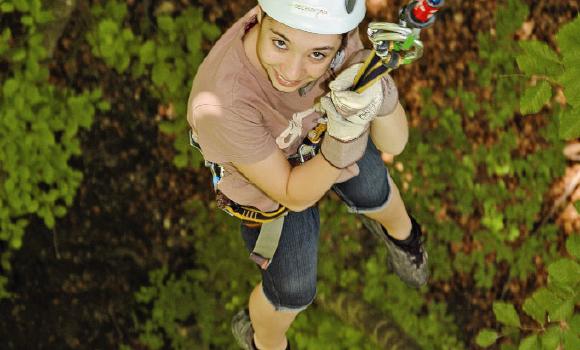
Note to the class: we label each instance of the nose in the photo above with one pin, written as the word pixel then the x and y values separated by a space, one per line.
pixel 293 69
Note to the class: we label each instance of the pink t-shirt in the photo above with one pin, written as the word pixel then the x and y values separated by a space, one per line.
pixel 238 116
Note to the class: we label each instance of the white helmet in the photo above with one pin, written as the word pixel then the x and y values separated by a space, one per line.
pixel 317 16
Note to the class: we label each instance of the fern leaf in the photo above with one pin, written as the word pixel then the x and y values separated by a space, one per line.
pixel 538 58
pixel 535 97
pixel 570 124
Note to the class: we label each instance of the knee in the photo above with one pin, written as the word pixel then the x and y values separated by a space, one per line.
pixel 373 197
pixel 378 197
pixel 292 294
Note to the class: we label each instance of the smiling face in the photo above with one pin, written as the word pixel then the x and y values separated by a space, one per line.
pixel 293 58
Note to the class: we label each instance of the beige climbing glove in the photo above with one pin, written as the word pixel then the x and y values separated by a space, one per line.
pixel 344 141
pixel 356 107
pixel 348 117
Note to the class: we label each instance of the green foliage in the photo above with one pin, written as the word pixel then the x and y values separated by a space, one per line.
pixel 166 58
pixel 569 123
pixel 506 314
pixel 193 310
pixel 316 329
pixel 538 58
pixel 498 72
pixel 38 133
pixel 509 18
pixel 353 272
pixel 110 40
pixel 173 305
pixel 486 337
pixel 538 61
pixel 535 97
pixel 551 307
pixel 567 39
pixel 428 322
pixel 490 184
pixel 573 246
pixel 530 343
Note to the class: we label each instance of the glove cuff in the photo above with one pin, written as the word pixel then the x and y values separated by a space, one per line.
pixel 342 154
pixel 390 96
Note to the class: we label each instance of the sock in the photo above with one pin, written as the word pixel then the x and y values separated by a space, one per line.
pixel 414 236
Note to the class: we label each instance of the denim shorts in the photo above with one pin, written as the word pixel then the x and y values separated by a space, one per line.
pixel 289 283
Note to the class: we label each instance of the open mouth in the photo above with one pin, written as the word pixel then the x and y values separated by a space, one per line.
pixel 284 82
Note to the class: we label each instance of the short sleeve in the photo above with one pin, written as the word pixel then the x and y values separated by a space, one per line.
pixel 237 136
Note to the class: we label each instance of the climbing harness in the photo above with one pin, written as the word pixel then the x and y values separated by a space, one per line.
pixel 270 222
pixel 393 45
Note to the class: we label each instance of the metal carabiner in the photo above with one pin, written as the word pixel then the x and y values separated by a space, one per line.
pixel 387 37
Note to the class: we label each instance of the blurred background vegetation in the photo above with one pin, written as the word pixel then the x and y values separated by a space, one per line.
pixel 110 237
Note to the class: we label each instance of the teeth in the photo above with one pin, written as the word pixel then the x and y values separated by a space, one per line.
pixel 284 80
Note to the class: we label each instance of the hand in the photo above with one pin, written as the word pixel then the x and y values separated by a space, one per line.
pixel 340 127
pixel 349 114
pixel 356 107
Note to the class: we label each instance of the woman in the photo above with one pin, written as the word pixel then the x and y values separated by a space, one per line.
pixel 255 98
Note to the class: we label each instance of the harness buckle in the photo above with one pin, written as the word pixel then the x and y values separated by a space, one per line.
pixel 260 260
pixel 306 152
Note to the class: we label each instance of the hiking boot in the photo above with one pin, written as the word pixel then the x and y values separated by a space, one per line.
pixel 242 330
pixel 408 261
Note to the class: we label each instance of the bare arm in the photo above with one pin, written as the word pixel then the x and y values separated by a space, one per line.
pixel 295 188
pixel 391 132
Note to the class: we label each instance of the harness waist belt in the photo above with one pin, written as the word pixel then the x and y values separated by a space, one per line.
pixel 272 222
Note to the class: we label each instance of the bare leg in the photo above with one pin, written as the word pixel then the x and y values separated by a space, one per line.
pixel 269 325
pixel 394 215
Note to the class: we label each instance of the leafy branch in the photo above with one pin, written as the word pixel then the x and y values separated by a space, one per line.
pixel 40 124
pixel 551 308
pixel 539 62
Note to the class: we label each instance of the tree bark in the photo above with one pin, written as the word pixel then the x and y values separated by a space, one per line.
pixel 378 326
pixel 61 11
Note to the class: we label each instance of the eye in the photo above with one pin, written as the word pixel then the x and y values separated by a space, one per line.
pixel 319 56
pixel 281 44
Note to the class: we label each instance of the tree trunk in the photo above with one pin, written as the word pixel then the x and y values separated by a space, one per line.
pixel 61 10
pixel 379 327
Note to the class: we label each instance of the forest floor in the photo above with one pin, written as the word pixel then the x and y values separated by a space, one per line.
pixel 74 285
